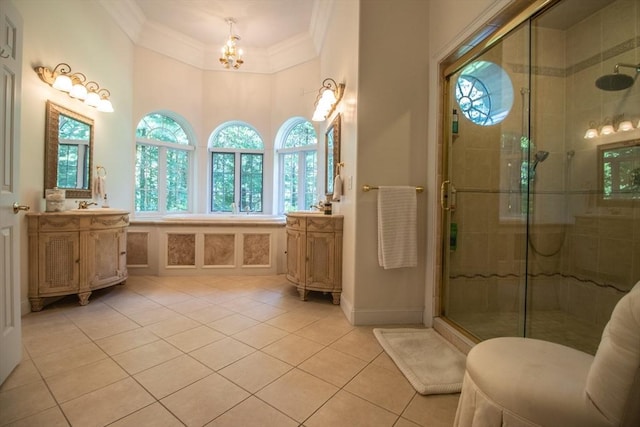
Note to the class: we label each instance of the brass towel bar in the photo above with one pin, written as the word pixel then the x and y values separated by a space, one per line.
pixel 419 189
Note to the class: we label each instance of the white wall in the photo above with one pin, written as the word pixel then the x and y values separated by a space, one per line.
pixel 81 34
pixel 204 100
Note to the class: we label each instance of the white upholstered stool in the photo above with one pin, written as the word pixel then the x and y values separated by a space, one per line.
pixel 527 382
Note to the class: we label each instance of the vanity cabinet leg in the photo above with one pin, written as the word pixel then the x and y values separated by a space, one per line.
pixel 303 294
pixel 84 297
pixel 336 297
pixel 37 304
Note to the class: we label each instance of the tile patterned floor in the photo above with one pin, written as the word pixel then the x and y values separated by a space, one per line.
pixel 200 351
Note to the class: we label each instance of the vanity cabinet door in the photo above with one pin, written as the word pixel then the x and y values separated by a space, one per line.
pixel 321 254
pixel 295 255
pixel 58 263
pixel 106 257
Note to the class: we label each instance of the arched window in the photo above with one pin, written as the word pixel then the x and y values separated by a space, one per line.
pixel 236 169
pixel 484 93
pixel 163 165
pixel 298 165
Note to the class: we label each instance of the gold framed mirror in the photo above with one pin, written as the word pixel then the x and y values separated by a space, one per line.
pixel 68 159
pixel 332 153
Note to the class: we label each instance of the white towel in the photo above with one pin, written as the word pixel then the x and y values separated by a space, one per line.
pixel 337 188
pixel 99 187
pixel 397 227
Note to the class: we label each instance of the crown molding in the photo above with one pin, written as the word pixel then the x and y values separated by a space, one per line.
pixel 288 53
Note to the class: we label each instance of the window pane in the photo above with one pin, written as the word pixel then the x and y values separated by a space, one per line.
pixel 146 178
pixel 301 135
pixel 310 181
pixel 222 181
pixel 251 182
pixel 67 166
pixel 238 136
pixel 161 128
pixel 177 180
pixel 290 181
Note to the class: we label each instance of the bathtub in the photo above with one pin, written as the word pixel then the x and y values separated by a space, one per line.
pixel 206 245
pixel 226 218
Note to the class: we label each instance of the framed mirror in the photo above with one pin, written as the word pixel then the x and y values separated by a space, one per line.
pixel 68 156
pixel 619 172
pixel 332 153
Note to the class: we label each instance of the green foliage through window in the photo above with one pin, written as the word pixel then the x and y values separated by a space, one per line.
pixel 299 167
pixel 232 187
pixel 162 170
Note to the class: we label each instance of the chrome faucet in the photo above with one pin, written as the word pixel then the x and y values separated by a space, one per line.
pixel 85 205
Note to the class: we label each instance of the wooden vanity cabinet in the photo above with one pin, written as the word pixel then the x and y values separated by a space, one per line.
pixel 75 253
pixel 314 253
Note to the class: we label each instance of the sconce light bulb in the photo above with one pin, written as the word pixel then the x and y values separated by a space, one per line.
pixel 591 133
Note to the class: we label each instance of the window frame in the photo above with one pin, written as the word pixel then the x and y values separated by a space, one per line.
pixel 237 181
pixel 301 152
pixel 163 147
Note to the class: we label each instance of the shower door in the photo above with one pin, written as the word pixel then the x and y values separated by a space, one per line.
pixel 541 194
pixel 486 192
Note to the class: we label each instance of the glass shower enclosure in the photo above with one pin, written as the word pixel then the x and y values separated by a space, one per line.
pixel 541 189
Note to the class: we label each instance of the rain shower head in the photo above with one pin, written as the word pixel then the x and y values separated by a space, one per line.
pixel 617 81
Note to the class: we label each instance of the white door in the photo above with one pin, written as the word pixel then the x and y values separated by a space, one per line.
pixel 10 92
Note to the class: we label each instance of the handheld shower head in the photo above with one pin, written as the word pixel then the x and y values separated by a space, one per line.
pixel 617 81
pixel 540 156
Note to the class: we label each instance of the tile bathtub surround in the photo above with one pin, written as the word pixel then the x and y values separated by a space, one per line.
pixel 208 351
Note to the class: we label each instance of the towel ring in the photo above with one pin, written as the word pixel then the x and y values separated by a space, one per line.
pixel 101 171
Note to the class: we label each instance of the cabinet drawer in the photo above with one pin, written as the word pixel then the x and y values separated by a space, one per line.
pixel 327 224
pixel 109 221
pixel 55 223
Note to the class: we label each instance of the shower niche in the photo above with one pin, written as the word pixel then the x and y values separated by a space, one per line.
pixel 540 225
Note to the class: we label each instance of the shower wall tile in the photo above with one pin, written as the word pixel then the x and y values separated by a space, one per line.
pixel 618 22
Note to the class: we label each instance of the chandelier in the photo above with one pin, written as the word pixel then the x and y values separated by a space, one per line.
pixel 231 55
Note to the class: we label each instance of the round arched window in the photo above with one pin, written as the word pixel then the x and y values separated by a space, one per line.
pixel 484 93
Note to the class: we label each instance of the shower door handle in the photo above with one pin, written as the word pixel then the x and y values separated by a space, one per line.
pixel 444 195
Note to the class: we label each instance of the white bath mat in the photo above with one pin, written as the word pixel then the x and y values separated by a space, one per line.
pixel 431 364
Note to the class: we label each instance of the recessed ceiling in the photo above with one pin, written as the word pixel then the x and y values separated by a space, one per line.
pixel 274 34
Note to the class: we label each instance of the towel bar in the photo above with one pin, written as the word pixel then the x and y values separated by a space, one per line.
pixel 419 189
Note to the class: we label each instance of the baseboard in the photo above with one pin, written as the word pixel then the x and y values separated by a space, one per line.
pixel 408 316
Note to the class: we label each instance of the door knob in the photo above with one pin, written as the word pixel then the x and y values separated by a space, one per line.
pixel 17 208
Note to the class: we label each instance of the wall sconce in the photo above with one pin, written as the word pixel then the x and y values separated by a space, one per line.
pixel 328 97
pixel 608 127
pixel 76 86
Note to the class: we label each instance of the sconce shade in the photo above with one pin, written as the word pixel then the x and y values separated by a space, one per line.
pixel 591 133
pixel 78 91
pixel 63 83
pixel 105 106
pixel 607 130
pixel 328 97
pixel 92 99
pixel 625 126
